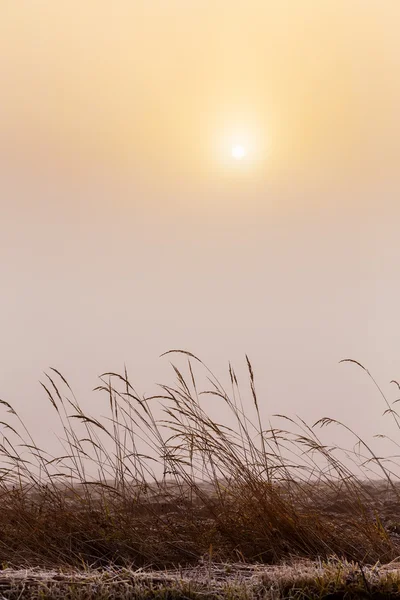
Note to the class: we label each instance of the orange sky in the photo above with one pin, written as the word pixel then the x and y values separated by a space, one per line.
pixel 126 228
pixel 152 86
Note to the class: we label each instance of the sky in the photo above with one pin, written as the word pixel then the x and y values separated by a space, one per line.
pixel 127 228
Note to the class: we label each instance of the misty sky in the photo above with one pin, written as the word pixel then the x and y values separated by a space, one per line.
pixel 127 229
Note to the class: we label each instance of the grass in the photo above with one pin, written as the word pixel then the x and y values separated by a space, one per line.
pixel 299 580
pixel 159 484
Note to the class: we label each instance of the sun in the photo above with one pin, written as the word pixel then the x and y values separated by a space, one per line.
pixel 238 152
pixel 238 149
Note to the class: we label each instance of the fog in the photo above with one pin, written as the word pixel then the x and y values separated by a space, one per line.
pixel 125 232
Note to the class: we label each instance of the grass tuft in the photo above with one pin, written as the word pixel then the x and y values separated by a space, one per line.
pixel 157 482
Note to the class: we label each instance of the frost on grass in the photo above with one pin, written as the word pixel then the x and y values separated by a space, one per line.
pixel 236 581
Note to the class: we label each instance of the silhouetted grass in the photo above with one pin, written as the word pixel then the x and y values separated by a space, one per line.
pixel 133 489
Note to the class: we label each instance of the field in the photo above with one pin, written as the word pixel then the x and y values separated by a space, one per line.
pixel 183 506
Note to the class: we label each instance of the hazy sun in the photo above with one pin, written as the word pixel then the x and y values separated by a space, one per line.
pixel 238 151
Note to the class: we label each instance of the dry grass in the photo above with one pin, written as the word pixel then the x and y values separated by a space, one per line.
pixel 299 580
pixel 183 488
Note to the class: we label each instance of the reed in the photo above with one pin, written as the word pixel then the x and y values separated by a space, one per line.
pixel 158 482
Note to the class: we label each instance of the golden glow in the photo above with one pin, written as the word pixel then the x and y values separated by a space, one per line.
pixel 164 87
pixel 238 152
pixel 240 149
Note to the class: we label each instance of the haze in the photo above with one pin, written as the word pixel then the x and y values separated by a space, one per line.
pixel 127 229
